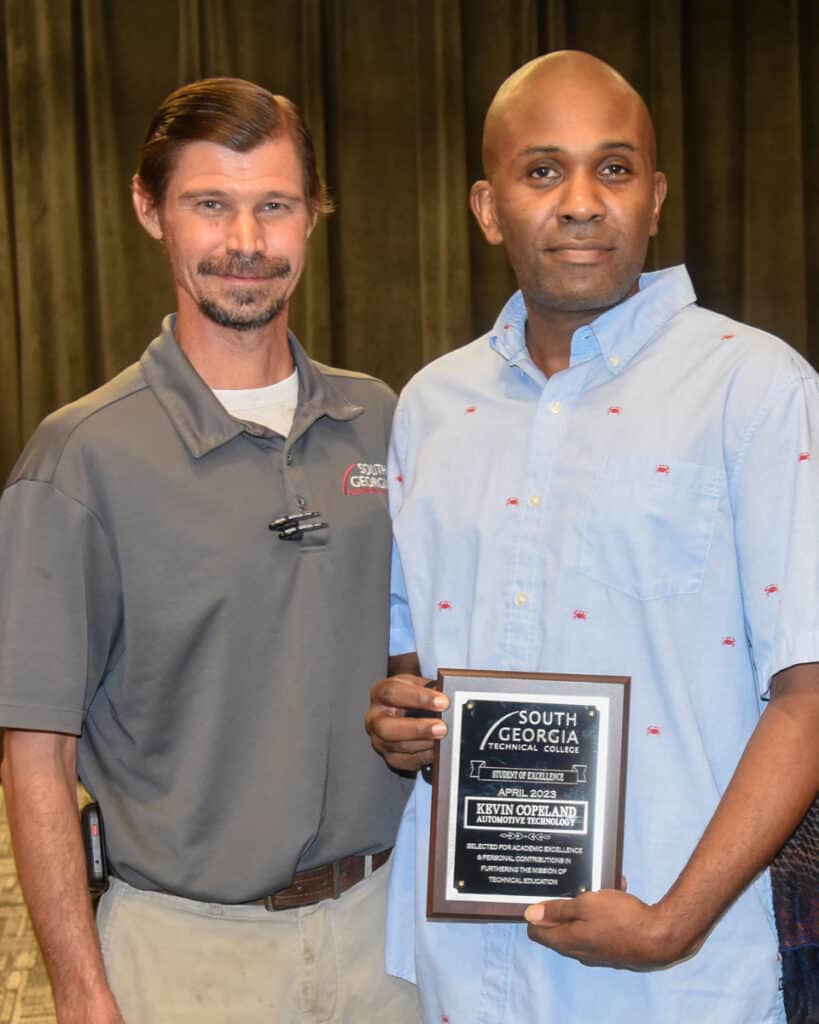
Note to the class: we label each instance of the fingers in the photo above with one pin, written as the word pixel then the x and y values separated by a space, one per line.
pixel 406 692
pixel 405 740
pixel 406 762
pixel 392 729
pixel 552 912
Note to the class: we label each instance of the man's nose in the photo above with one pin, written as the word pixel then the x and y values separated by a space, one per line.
pixel 581 199
pixel 244 233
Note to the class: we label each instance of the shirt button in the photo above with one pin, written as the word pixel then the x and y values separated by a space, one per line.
pixel 521 600
pixel 289 459
pixel 554 408
pixel 615 360
pixel 534 500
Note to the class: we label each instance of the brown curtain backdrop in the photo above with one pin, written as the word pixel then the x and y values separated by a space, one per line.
pixel 395 91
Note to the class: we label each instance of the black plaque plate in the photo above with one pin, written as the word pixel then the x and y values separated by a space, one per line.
pixel 528 788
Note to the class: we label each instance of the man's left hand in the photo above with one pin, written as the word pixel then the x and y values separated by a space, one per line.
pixel 609 928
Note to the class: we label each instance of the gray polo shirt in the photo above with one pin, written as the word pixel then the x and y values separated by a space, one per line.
pixel 216 675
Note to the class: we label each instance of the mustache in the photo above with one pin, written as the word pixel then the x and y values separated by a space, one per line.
pixel 235 265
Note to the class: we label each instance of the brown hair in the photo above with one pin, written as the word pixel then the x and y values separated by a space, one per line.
pixel 230 112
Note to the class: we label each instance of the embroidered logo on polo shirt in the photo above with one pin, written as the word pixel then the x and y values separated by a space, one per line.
pixel 365 478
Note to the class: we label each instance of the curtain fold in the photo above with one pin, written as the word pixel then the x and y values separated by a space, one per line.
pixel 395 95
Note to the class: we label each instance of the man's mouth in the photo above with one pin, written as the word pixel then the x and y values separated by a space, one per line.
pixel 580 252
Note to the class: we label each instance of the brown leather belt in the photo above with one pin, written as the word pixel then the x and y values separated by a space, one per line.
pixel 325 883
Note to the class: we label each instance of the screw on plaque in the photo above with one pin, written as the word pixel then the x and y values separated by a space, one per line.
pixel 591 712
pixel 470 705
pixel 461 884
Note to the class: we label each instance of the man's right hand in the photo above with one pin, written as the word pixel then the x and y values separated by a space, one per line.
pixel 406 744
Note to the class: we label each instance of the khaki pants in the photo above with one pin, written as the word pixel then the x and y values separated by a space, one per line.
pixel 172 960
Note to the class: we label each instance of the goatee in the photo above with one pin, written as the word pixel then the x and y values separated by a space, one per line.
pixel 234 319
pixel 238 266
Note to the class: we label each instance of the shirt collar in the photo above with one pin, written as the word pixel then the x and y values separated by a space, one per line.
pixel 618 334
pixel 199 417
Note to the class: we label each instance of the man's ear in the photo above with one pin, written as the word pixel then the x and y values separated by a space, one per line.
pixel 660 192
pixel 146 209
pixel 482 203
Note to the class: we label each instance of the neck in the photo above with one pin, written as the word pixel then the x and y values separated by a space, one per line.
pixel 549 332
pixel 549 336
pixel 231 359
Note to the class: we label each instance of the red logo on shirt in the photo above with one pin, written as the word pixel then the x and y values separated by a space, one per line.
pixel 365 478
pixel 615 410
pixel 578 613
pixel 470 408
pixel 653 730
pixel 772 588
pixel 512 501
pixel 727 337
pixel 444 606
pixel 804 456
pixel 728 641
pixel 662 468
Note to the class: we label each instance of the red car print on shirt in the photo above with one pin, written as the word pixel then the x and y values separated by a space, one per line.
pixel 662 468
pixel 804 456
pixel 772 588
pixel 512 501
pixel 444 606
pixel 729 641
pixel 614 410
pixel 580 614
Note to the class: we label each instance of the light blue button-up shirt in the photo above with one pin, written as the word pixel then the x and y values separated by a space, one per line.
pixel 651 511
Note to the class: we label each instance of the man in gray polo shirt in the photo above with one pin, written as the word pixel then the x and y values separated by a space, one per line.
pixel 195 598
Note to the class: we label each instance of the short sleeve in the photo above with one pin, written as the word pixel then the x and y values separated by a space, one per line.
pixel 775 493
pixel 59 608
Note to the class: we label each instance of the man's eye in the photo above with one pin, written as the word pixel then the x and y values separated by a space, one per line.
pixel 615 170
pixel 209 204
pixel 273 206
pixel 544 173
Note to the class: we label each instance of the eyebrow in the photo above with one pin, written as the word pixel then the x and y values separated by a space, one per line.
pixel 604 146
pixel 218 193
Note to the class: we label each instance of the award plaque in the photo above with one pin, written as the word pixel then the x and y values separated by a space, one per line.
pixel 527 791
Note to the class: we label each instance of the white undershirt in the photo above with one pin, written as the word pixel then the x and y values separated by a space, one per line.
pixel 272 406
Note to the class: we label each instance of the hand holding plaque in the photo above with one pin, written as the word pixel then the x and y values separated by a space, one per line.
pixel 528 789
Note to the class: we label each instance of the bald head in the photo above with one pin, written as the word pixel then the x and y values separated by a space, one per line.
pixel 571 189
pixel 569 84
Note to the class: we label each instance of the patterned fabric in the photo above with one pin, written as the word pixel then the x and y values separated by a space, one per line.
pixel 650 511
pixel 795 881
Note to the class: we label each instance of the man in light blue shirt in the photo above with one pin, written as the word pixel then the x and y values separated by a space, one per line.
pixel 612 481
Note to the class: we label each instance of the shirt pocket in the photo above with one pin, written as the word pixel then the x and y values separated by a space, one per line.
pixel 648 527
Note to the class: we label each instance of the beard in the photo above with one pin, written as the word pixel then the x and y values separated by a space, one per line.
pixel 242 312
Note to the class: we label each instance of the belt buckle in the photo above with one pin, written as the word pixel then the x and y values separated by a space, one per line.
pixel 337 890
